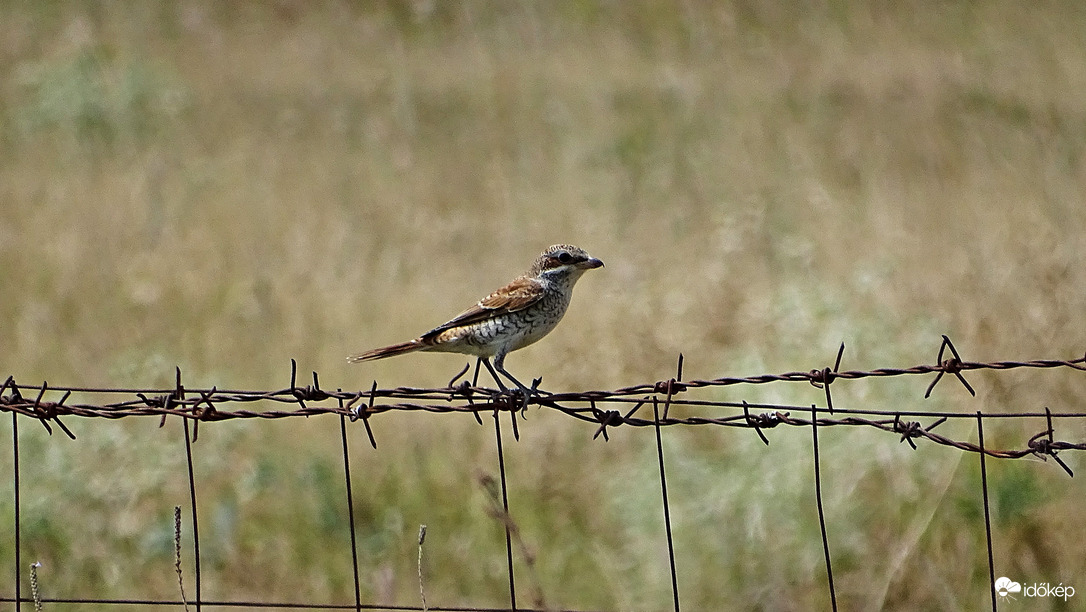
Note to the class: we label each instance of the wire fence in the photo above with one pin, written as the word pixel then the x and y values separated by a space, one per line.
pixel 628 406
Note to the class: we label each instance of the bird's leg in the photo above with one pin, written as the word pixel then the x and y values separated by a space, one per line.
pixel 493 374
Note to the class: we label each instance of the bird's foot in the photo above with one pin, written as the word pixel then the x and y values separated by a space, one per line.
pixel 529 393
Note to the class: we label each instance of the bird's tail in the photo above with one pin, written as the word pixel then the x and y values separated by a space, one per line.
pixel 388 351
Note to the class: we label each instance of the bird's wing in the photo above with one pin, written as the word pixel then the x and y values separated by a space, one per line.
pixel 517 295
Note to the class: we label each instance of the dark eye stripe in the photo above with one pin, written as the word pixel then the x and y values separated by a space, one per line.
pixel 557 261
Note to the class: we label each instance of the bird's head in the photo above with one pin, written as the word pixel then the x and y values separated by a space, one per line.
pixel 563 261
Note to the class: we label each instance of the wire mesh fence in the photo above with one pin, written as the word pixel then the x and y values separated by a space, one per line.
pixel 640 406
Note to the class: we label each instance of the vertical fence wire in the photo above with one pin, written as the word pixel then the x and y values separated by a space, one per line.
pixel 667 506
pixel 987 512
pixel 821 512
pixel 505 507
pixel 192 508
pixel 350 511
pixel 18 557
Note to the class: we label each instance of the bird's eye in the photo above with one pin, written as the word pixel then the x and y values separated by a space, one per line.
pixel 565 257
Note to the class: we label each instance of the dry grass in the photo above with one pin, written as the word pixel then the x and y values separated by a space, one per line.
pixel 226 187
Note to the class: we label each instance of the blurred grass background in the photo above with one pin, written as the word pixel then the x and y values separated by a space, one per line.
pixel 225 186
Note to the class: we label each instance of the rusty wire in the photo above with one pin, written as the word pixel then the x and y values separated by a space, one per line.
pixel 598 407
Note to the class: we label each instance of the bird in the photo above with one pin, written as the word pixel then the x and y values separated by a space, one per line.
pixel 511 318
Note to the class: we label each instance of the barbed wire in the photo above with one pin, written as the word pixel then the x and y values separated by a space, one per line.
pixel 603 409
pixel 597 407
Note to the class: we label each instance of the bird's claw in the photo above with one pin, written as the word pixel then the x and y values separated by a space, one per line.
pixel 524 403
pixel 527 394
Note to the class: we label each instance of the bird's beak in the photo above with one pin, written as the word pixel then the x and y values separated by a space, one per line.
pixel 590 264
